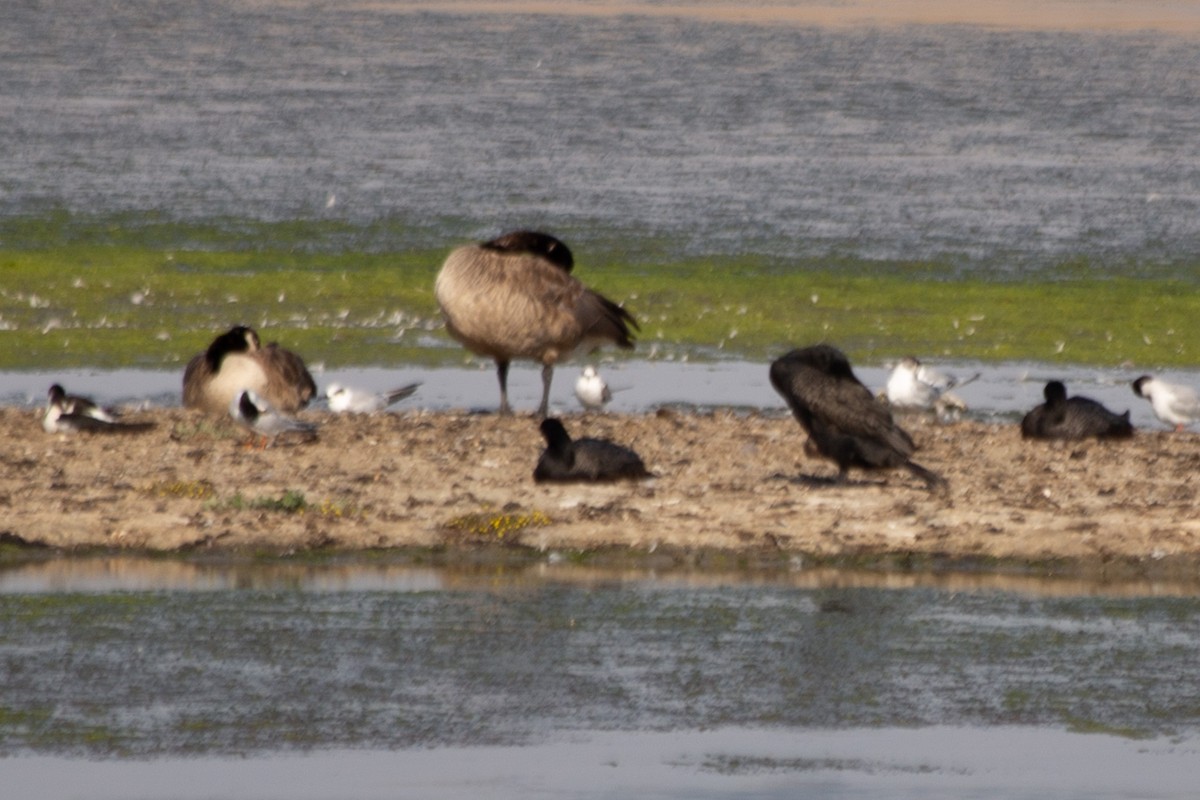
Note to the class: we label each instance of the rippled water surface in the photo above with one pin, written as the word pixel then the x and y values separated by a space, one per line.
pixel 975 148
pixel 219 661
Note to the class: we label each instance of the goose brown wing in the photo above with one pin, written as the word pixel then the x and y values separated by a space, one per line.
pixel 571 312
pixel 290 386
pixel 195 376
pixel 601 318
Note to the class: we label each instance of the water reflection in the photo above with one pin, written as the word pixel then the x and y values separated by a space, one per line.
pixel 413 573
pixel 382 676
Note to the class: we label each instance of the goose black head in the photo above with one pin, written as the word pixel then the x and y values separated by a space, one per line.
pixel 541 244
pixel 238 339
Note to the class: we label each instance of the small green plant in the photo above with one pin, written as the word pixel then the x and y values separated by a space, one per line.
pixel 291 501
pixel 498 526
pixel 192 490
pixel 337 509
pixel 203 428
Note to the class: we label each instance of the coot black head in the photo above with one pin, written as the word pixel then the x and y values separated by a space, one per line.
pixel 556 436
pixel 1073 418
pixel 1055 393
pixel 584 459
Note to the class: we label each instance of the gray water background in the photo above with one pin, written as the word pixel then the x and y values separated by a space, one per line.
pixel 976 151
pixel 1001 394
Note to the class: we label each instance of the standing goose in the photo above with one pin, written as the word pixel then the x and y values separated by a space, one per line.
pixel 515 298
pixel 843 421
pixel 236 361
pixel 1073 418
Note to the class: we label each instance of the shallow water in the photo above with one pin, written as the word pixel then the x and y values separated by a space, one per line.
pixel 365 680
pixel 1002 393
pixel 978 150
pixel 1006 763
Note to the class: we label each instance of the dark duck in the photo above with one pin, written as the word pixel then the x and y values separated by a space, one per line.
pixel 1073 418
pixel 844 422
pixel 596 460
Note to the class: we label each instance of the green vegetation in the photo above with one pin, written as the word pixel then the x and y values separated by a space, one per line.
pixel 496 526
pixel 1076 724
pixel 113 306
pixel 152 295
pixel 192 490
pixel 292 501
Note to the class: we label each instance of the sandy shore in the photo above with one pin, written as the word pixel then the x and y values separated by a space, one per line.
pixel 726 483
pixel 1172 16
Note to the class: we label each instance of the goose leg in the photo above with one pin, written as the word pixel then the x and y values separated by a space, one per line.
pixel 502 373
pixel 547 375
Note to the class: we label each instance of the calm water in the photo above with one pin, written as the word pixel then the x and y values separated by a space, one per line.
pixel 1002 393
pixel 977 150
pixel 551 677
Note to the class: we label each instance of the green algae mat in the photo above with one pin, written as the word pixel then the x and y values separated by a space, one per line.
pixel 109 295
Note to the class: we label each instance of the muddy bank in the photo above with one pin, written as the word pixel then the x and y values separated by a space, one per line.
pixel 727 483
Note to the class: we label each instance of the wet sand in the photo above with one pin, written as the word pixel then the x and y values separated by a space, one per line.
pixel 728 484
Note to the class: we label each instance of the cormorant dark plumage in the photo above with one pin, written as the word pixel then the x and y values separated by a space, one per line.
pixel 515 298
pixel 565 459
pixel 844 422
pixel 1073 418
